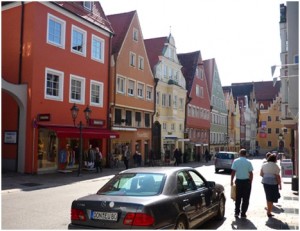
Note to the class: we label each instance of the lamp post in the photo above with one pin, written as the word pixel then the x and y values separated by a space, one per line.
pixel 87 112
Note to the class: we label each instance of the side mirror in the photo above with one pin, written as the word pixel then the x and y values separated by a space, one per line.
pixel 211 184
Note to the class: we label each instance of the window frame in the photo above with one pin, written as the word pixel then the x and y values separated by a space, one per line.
pixel 141 63
pixel 89 8
pixel 122 89
pixel 62 32
pixel 84 43
pixel 135 35
pixel 101 93
pixel 149 93
pixel 102 47
pixel 142 90
pixel 60 75
pixel 133 87
pixel 132 59
pixel 82 80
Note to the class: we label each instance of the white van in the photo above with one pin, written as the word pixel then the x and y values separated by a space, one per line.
pixel 224 159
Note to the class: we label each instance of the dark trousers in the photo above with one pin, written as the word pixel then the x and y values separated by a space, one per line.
pixel 126 163
pixel 243 191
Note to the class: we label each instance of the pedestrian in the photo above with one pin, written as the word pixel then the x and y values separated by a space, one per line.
pixel 176 157
pixel 271 181
pixel 242 170
pixel 126 156
pixel 98 160
pixel 206 155
pixel 151 158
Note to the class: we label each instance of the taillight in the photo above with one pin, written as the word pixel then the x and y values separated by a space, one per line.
pixel 77 214
pixel 138 219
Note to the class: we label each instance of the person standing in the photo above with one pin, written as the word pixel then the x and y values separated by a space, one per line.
pixel 126 156
pixel 271 181
pixel 176 156
pixel 206 155
pixel 98 160
pixel 242 170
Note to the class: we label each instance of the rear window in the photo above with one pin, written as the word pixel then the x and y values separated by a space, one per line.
pixel 228 156
pixel 133 184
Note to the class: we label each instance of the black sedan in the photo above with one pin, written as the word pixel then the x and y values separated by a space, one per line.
pixel 150 198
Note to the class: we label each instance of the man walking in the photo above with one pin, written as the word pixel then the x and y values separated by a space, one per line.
pixel 242 170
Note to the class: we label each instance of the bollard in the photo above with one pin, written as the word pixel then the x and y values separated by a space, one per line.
pixel 295 181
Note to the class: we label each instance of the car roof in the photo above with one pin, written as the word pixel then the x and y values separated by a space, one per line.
pixel 228 152
pixel 161 170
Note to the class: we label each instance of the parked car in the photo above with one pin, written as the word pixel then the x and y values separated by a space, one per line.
pixel 224 159
pixel 151 198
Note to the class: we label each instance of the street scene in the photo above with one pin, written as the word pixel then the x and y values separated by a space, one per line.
pixel 92 88
pixel 46 203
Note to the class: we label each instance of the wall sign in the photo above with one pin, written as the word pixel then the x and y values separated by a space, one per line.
pixel 44 117
pixel 10 137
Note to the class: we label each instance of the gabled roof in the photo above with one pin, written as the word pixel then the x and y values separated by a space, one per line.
pixel 189 62
pixel 265 92
pixel 96 16
pixel 120 23
pixel 154 48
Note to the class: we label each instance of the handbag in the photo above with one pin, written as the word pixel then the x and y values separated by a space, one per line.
pixel 233 192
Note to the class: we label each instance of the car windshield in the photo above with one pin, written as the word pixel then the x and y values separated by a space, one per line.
pixel 134 184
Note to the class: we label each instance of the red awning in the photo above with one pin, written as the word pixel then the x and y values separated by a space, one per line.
pixel 74 132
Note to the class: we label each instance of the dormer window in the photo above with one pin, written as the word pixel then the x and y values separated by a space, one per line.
pixel 87 5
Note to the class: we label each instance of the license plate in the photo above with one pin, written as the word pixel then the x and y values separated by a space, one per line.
pixel 104 216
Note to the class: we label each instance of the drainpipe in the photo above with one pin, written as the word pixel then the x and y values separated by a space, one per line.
pixel 108 118
pixel 153 115
pixel 20 77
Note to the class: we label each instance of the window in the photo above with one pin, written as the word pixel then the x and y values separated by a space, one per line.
pixel 157 98
pixel 118 116
pixel 138 119
pixel 96 93
pixel 140 90
pixel 121 85
pixel 169 100
pixel 132 59
pixel 97 49
pixel 54 84
pixel 87 5
pixel 269 130
pixel 77 89
pixel 78 43
pixel 173 127
pixel 277 118
pixel 164 126
pixel 147 120
pixel 141 63
pixel 175 101
pixel 128 118
pixel 269 118
pixel 135 34
pixel 181 103
pixel 130 90
pixel 149 93
pixel 56 31
pixel 269 143
pixel 164 100
pixel 277 130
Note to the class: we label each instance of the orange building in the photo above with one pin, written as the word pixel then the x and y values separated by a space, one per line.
pixel 54 55
pixel 132 88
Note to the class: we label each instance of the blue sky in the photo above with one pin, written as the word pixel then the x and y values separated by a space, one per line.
pixel 242 35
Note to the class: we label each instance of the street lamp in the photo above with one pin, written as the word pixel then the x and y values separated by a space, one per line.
pixel 87 112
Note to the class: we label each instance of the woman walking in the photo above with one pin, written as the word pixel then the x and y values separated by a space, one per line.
pixel 271 181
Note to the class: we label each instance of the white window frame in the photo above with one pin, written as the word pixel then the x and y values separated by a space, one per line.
pixel 132 59
pixel 131 91
pixel 135 35
pixel 140 90
pixel 82 89
pixel 100 95
pixel 149 93
pixel 84 34
pixel 141 63
pixel 88 5
pixel 102 47
pixel 158 98
pixel 164 100
pixel 175 101
pixel 62 32
pixel 121 89
pixel 60 74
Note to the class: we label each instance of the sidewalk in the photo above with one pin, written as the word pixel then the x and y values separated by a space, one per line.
pixel 286 211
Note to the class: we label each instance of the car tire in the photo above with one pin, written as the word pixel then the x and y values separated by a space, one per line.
pixel 221 209
pixel 181 224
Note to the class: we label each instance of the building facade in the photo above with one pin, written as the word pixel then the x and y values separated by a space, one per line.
pixel 63 63
pixel 197 124
pixel 170 93
pixel 132 88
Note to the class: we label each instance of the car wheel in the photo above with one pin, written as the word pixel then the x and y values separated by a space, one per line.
pixel 181 224
pixel 221 209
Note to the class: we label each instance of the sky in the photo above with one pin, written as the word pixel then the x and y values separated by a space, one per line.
pixel 242 35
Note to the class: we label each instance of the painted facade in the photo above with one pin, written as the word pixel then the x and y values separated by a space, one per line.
pixel 63 61
pixel 170 93
pixel 198 106
pixel 132 88
pixel 218 123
